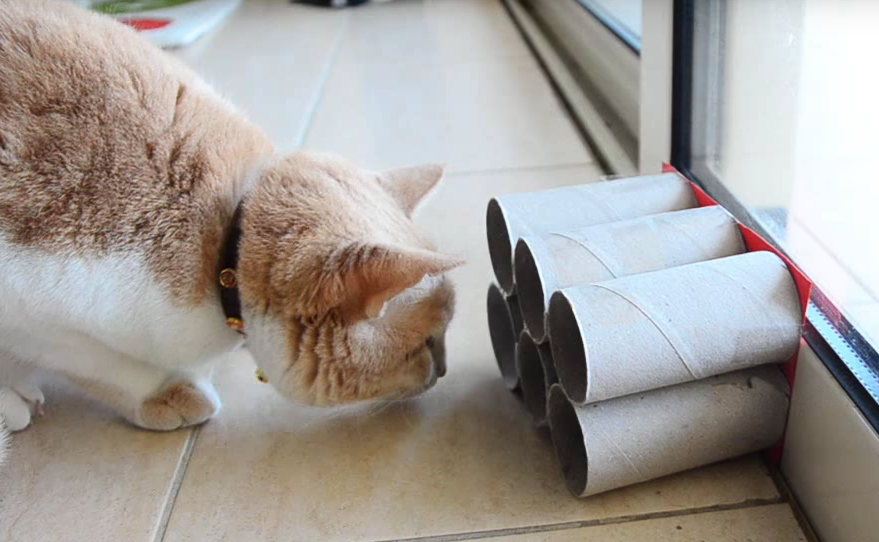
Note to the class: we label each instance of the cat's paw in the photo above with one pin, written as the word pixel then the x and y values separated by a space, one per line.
pixel 19 405
pixel 180 403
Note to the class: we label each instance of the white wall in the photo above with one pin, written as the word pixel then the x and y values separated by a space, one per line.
pixel 654 126
pixel 831 457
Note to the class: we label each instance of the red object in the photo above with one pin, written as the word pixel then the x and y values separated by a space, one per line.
pixel 145 24
pixel 703 199
pixel 755 243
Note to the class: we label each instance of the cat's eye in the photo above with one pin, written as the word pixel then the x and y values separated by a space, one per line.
pixel 429 342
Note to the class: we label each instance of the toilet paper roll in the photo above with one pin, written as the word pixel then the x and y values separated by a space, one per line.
pixel 536 375
pixel 504 326
pixel 513 216
pixel 651 330
pixel 550 262
pixel 624 441
pixel 548 363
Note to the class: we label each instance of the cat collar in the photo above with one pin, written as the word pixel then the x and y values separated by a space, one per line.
pixel 228 277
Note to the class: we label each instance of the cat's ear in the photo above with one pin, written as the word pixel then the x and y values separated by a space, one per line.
pixel 370 275
pixel 409 185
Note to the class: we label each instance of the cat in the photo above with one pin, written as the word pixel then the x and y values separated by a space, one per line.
pixel 147 229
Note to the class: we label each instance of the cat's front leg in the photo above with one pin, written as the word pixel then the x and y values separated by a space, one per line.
pixel 19 404
pixel 20 397
pixel 146 395
pixel 181 402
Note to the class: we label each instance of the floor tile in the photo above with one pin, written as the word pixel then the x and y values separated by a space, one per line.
pixel 431 32
pixel 461 458
pixel 271 59
pixel 471 115
pixel 774 523
pixel 81 474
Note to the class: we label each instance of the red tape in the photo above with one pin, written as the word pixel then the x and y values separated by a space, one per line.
pixel 145 24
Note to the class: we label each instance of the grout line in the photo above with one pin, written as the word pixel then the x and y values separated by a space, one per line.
pixel 785 491
pixel 494 533
pixel 322 84
pixel 174 489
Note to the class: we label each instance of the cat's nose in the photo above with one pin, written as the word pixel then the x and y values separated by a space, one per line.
pixel 440 365
pixel 438 354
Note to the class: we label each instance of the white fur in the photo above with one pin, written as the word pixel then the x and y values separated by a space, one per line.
pixel 270 346
pixel 99 321
pixel 16 410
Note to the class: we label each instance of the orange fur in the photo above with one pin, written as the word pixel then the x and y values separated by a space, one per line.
pixel 108 144
pixel 324 246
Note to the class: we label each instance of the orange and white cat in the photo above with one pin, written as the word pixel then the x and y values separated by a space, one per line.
pixel 128 187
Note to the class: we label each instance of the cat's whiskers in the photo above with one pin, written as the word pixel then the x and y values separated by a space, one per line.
pixel 377 408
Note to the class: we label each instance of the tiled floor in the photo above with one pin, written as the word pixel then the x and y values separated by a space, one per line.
pixel 443 80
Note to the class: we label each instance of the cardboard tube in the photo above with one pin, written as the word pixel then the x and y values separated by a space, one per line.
pixel 504 326
pixel 651 330
pixel 624 441
pixel 549 374
pixel 513 216
pixel 550 262
pixel 534 378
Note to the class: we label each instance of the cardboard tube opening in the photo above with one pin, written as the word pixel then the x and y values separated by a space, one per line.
pixel 549 375
pixel 567 439
pixel 500 246
pixel 529 288
pixel 515 314
pixel 568 347
pixel 503 336
pixel 531 378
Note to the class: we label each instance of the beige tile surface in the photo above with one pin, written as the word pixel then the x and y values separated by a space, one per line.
pixel 462 458
pixel 81 474
pixel 271 59
pixel 774 523
pixel 475 115
pixel 431 32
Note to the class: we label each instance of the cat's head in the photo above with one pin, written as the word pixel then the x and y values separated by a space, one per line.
pixel 343 299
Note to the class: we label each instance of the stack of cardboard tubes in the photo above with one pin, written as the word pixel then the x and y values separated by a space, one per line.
pixel 637 327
